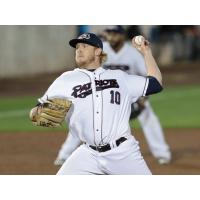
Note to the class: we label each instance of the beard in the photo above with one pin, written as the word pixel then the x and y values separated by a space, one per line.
pixel 81 63
pixel 84 62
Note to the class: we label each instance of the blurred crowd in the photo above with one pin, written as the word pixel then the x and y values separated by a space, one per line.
pixel 170 43
pixel 179 42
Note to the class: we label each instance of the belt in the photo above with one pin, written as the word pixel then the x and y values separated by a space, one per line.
pixel 107 147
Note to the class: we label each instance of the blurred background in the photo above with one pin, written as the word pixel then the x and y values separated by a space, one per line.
pixel 31 57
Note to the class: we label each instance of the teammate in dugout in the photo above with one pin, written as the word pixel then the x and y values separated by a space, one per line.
pixel 123 56
pixel 100 110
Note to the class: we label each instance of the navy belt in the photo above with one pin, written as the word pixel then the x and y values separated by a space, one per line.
pixel 107 147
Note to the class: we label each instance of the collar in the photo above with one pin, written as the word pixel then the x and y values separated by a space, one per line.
pixel 91 70
pixel 99 70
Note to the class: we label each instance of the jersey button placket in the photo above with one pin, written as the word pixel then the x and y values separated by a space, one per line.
pixel 97 112
pixel 95 77
pixel 98 115
pixel 98 109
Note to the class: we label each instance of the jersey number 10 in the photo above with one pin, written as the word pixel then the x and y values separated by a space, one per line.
pixel 115 97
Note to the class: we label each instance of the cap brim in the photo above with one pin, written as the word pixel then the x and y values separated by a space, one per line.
pixel 74 42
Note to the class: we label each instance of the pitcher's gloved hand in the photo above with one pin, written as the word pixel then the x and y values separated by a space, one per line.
pixel 51 113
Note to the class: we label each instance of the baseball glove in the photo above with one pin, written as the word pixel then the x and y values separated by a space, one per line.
pixel 51 113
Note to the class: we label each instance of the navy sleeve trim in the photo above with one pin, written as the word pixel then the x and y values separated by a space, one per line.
pixel 145 86
pixel 153 86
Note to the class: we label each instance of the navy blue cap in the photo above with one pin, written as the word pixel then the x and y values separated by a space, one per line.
pixel 116 29
pixel 87 38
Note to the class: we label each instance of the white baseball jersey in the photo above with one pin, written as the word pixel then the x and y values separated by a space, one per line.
pixel 127 59
pixel 104 120
pixel 101 102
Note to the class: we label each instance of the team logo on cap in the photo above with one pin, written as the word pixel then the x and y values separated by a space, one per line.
pixel 84 36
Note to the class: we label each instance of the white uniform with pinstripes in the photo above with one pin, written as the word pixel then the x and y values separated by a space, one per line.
pixel 100 115
pixel 131 61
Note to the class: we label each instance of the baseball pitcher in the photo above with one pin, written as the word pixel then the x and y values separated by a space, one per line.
pixel 96 103
pixel 123 56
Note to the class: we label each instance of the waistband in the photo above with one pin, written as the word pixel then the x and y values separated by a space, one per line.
pixel 108 147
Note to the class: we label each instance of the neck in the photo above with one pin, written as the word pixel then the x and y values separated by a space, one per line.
pixel 92 65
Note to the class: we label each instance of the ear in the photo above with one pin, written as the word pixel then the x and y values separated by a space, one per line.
pixel 98 52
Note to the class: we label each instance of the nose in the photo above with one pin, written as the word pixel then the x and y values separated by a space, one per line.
pixel 79 50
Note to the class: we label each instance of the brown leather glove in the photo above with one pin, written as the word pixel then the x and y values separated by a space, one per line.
pixel 51 113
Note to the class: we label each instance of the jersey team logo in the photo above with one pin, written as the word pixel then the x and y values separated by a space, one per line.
pixel 82 91
pixel 84 36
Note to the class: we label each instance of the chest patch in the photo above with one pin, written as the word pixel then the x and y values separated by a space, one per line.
pixel 82 91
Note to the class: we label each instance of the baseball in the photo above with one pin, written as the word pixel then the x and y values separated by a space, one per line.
pixel 139 39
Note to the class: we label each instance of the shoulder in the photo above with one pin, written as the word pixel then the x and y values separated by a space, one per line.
pixel 65 77
pixel 69 74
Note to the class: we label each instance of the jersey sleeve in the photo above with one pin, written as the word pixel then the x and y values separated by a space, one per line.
pixel 58 89
pixel 139 86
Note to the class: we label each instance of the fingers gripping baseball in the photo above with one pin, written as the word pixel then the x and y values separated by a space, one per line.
pixel 141 44
pixel 50 114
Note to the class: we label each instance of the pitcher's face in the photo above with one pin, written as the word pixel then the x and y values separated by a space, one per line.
pixel 85 54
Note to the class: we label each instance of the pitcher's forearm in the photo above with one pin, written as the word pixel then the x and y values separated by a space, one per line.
pixel 143 46
pixel 151 65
